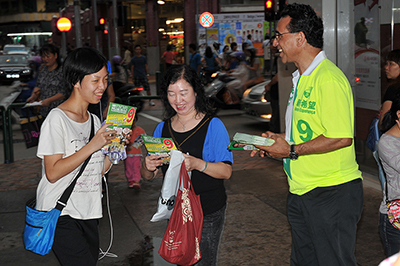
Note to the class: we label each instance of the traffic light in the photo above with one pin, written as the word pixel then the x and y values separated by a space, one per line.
pixel 102 24
pixel 269 10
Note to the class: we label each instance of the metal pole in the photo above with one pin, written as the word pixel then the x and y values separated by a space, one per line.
pixel 5 135
pixel 109 44
pixel 63 42
pixel 10 136
pixel 77 14
pixel 115 22
pixel 96 24
pixel 197 22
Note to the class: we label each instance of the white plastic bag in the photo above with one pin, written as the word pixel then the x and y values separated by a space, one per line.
pixel 169 190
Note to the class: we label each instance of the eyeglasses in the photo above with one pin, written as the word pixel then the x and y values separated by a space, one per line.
pixel 278 36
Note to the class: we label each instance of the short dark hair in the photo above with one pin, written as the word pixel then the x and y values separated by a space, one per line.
pixel 185 72
pixel 233 45
pixel 394 56
pixel 249 37
pixel 192 46
pixel 137 45
pixel 304 19
pixel 52 49
pixel 81 62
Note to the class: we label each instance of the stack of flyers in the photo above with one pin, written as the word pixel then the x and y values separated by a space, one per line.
pixel 121 116
pixel 249 141
pixel 159 146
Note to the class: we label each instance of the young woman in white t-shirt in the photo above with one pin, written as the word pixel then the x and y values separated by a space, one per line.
pixel 63 146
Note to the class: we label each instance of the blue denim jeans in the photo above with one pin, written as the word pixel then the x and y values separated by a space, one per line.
pixel 213 224
pixel 389 234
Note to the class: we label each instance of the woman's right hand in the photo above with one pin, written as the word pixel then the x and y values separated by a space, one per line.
pixel 32 98
pixel 103 137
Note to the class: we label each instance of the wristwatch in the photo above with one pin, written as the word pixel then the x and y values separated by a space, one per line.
pixel 293 155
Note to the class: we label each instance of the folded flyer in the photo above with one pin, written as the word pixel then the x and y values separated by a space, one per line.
pixel 121 116
pixel 159 146
pixel 250 141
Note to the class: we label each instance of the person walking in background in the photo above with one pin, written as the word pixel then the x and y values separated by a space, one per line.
pixel 388 150
pixel 64 145
pixel 168 57
pixel 222 56
pixel 134 159
pixel 211 62
pixel 325 198
pixel 266 45
pixel 248 41
pixel 215 48
pixel 126 60
pixel 234 47
pixel 189 121
pixel 392 70
pixel 253 66
pixel 50 89
pixel 140 71
pixel 195 58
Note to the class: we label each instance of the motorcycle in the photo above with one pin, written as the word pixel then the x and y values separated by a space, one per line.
pixel 219 95
pixel 124 93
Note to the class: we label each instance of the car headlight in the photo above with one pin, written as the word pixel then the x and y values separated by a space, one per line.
pixel 1 72
pixel 246 93
pixel 263 98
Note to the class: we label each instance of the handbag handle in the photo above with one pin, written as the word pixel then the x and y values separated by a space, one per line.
pixel 187 183
pixel 62 202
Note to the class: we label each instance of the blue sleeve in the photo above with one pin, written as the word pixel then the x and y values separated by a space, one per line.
pixel 158 131
pixel 215 147
pixel 198 59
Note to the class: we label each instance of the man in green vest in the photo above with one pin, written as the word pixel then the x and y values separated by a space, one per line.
pixel 326 194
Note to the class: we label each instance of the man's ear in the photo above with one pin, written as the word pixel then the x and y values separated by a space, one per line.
pixel 300 38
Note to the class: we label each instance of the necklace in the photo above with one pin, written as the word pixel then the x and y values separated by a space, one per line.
pixel 183 124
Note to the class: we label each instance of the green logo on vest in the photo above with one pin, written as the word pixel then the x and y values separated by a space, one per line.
pixel 307 92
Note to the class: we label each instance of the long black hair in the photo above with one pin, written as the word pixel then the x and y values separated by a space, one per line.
pixel 389 119
pixel 208 52
pixel 176 73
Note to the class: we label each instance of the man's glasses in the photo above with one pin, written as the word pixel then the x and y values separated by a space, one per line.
pixel 278 36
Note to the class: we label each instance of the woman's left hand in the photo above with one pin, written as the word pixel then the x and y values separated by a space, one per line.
pixel 193 163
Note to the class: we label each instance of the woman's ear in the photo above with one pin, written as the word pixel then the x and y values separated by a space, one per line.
pixel 398 115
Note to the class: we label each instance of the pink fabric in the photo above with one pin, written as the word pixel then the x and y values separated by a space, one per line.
pixel 132 168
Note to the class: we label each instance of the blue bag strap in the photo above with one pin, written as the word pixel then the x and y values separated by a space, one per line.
pixel 62 202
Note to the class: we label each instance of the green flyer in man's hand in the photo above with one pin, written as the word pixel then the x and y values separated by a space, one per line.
pixel 250 141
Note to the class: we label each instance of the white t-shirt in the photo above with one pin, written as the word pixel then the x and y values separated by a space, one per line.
pixel 61 135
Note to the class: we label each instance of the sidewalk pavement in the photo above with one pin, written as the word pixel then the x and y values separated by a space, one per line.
pixel 256 228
